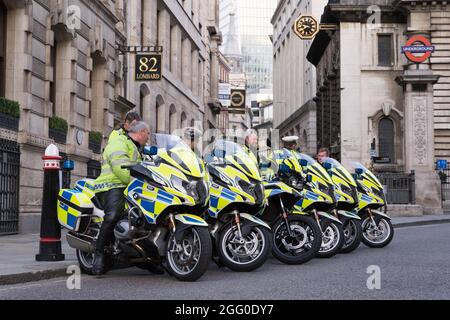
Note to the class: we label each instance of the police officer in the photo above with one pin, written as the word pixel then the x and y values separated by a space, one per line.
pixel 130 118
pixel 251 145
pixel 110 185
pixel 290 142
pixel 323 154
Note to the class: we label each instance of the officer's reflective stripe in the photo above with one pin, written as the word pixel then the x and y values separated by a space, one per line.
pixel 117 154
pixel 119 162
pixel 109 186
pixel 107 170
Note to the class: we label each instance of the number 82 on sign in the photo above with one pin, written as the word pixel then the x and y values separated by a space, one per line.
pixel 148 67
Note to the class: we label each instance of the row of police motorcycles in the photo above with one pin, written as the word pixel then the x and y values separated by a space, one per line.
pixel 182 211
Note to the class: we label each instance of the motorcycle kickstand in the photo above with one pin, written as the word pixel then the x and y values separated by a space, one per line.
pixel 217 262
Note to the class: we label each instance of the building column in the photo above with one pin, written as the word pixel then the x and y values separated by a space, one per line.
pixel 194 65
pixel 175 48
pixel 164 35
pixel 150 23
pixel 187 63
pixel 419 137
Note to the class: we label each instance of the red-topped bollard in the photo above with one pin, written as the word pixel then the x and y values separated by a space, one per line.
pixel 50 242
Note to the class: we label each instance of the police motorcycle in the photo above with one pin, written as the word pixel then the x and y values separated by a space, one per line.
pixel 377 227
pixel 242 241
pixel 346 197
pixel 296 237
pixel 161 223
pixel 307 176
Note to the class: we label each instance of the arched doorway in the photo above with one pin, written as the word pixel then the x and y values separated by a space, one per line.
pixel 144 100
pixel 386 139
pixel 173 121
pixel 184 121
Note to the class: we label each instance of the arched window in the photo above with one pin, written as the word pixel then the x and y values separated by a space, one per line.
pixel 172 119
pixel 160 115
pixel 184 121
pixel 386 139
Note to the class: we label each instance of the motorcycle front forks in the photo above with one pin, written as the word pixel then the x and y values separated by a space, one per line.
pixel 285 217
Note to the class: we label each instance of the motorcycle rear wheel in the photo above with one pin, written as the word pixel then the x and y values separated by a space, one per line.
pixel 299 249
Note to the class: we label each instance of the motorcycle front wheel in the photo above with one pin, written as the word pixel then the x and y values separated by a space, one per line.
pixel 187 260
pixel 332 240
pixel 243 254
pixel 377 236
pixel 301 245
pixel 352 235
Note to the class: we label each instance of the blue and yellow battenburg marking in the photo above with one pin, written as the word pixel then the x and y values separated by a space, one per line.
pixel 71 204
pixel 220 198
pixel 151 200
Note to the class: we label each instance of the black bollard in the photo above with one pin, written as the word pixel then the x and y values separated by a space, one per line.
pixel 50 242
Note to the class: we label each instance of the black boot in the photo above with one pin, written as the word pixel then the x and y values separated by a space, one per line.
pixel 154 268
pixel 98 268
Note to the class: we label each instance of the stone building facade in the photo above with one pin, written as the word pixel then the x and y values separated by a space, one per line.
pixel 374 104
pixel 294 77
pixel 60 58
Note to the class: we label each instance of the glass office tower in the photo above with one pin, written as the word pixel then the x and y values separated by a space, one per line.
pixel 254 28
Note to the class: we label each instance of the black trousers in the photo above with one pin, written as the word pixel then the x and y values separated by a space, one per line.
pixel 113 202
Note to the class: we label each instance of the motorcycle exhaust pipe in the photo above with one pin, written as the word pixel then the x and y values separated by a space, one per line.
pixel 80 244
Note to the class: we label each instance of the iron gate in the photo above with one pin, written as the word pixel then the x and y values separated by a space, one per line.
pixel 444 176
pixel 9 187
pixel 399 187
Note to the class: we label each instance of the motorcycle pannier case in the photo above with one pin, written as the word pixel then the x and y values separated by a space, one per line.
pixel 74 210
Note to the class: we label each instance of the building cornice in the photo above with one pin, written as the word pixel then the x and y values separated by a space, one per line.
pixel 277 11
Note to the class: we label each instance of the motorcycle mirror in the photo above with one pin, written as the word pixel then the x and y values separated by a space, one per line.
pixel 284 168
pixel 308 178
pixel 265 165
pixel 151 151
pixel 327 166
pixel 219 153
pixel 303 162
pixel 359 171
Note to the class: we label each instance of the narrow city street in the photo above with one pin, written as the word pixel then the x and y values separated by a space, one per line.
pixel 413 266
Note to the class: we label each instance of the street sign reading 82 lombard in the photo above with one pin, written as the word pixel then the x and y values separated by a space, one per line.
pixel 148 67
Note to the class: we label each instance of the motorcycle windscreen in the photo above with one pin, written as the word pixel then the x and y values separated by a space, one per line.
pixel 231 153
pixel 177 153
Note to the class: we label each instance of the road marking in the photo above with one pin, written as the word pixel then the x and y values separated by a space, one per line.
pixel 41 283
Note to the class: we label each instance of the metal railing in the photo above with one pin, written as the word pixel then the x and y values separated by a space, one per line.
pixel 9 187
pixel 399 187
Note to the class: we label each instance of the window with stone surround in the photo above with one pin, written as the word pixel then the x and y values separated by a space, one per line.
pixel 385 53
pixel 386 139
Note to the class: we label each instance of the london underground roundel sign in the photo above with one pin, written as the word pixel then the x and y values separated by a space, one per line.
pixel 418 49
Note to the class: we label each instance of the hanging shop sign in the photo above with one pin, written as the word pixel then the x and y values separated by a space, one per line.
pixel 225 94
pixel 148 67
pixel 418 49
pixel 307 27
pixel 237 101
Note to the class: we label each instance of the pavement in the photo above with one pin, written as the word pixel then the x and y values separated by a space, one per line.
pixel 413 266
pixel 18 265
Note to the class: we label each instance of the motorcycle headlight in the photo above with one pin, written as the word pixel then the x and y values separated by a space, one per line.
pixel 186 187
pixel 158 180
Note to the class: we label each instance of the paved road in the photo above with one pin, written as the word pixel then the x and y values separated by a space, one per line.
pixel 416 265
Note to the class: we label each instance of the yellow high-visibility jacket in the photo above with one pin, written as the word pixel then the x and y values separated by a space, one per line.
pixel 115 133
pixel 120 151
